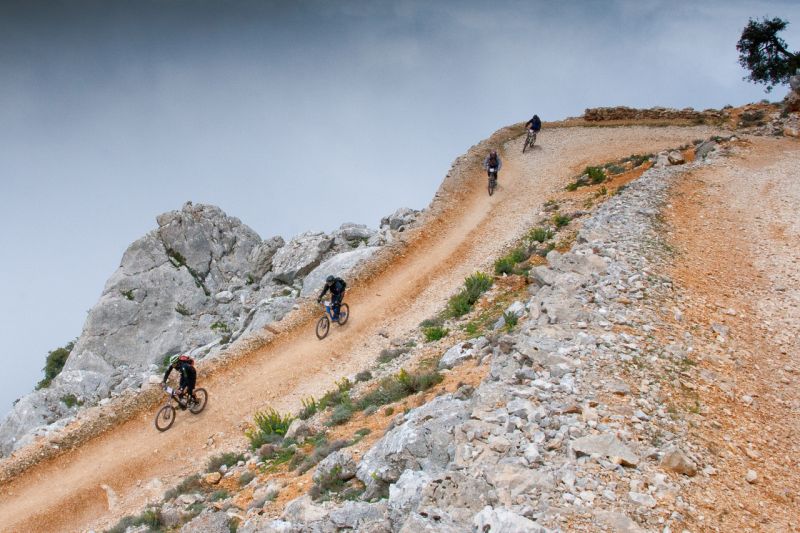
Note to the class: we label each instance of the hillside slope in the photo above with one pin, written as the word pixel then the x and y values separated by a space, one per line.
pixel 132 459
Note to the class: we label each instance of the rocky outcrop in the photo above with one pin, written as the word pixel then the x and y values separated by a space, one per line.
pixel 598 114
pixel 196 283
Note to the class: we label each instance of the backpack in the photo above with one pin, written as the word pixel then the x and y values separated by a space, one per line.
pixel 186 359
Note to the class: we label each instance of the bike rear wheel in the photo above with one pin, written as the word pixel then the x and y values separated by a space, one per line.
pixel 323 326
pixel 526 142
pixel 200 404
pixel 344 314
pixel 165 418
pixel 492 184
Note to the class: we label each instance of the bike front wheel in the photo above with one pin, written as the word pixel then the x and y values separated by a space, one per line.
pixel 323 326
pixel 165 418
pixel 200 404
pixel 492 184
pixel 344 314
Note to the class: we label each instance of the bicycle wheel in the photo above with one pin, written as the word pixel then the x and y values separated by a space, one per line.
pixel 165 418
pixel 344 314
pixel 533 139
pixel 491 186
pixel 525 142
pixel 323 325
pixel 200 404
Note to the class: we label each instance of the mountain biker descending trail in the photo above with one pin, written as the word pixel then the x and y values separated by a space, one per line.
pixel 534 125
pixel 188 376
pixel 492 164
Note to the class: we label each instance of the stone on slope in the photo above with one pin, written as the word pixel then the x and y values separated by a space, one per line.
pixel 208 522
pixel 339 265
pixel 339 464
pixel 606 445
pixel 262 254
pixel 677 461
pixel 399 219
pixel 501 520
pixel 461 352
pixel 300 256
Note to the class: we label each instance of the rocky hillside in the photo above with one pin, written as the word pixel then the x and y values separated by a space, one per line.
pixel 197 283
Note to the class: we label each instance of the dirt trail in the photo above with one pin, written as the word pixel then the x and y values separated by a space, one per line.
pixel 737 233
pixel 117 473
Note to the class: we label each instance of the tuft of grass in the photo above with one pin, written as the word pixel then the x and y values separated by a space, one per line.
pixel 269 426
pixel 560 220
pixel 309 408
pixel 364 375
pixel 151 518
pixel 428 322
pixel 227 459
pixel 189 484
pixel 510 320
pixel 614 169
pixel 182 310
pixel 602 191
pixel 127 294
pixel 70 400
pixel 334 397
pixel 56 359
pixel 507 263
pixel 540 234
pixel 219 495
pixel 474 286
pixel 388 354
pixel 434 333
pixel 596 174
pixel 397 387
pixel 246 478
pixel 341 414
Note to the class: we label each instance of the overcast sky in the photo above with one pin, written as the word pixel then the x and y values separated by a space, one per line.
pixel 293 115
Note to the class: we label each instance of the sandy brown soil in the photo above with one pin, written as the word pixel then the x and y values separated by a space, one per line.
pixel 736 230
pixel 136 463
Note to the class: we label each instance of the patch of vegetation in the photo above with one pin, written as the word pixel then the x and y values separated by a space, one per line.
pixel 269 426
pixel 189 484
pixel 309 408
pixel 246 478
pixel 223 329
pixel 471 328
pixel 176 257
pixel 388 354
pixel 596 175
pixel 637 160
pixel 560 220
pixel 602 191
pixel 227 459
pixel 56 359
pixel 182 310
pixel 434 333
pixel 397 387
pixel 341 394
pixel 341 414
pixel 127 294
pixel 540 234
pixel 70 400
pixel 151 518
pixel 364 375
pixel 510 318
pixel 766 55
pixel 287 292
pixel 219 495
pixel 507 263
pixel 474 286
pixel 322 449
pixel 614 169
pixel 430 322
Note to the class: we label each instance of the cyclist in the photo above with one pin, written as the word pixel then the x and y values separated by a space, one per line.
pixel 534 124
pixel 337 287
pixel 492 161
pixel 185 367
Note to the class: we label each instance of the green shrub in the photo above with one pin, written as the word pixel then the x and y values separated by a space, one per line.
pixel 127 294
pixel 341 414
pixel 596 174
pixel 56 359
pixel 435 333
pixel 472 328
pixel 227 459
pixel 572 186
pixel 336 396
pixel 182 310
pixel 561 220
pixel 189 484
pixel 150 518
pixel 309 408
pixel 364 375
pixel 602 191
pixel 474 285
pixel 397 387
pixel 540 234
pixel 428 322
pixel 510 319
pixel 459 305
pixel 388 354
pixel 504 265
pixel 219 495
pixel 270 426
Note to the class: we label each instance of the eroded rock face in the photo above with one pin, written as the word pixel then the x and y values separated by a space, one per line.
pixel 300 255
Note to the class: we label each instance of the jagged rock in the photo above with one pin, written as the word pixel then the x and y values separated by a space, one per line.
pixel 502 520
pixel 262 254
pixel 208 522
pixel 676 158
pixel 399 219
pixel 461 352
pixel 304 510
pixel 424 441
pixel 617 522
pixel 606 445
pixel 212 478
pixel 703 149
pixel 298 429
pixel 224 297
pixel 339 265
pixel 676 461
pixel 406 493
pixel 361 516
pixel 339 464
pixel 300 256
pixel 645 500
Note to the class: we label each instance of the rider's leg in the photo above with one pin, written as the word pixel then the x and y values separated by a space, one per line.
pixel 336 303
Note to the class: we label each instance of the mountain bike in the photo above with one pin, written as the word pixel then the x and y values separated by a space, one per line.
pixel 492 180
pixel 166 415
pixel 530 140
pixel 324 323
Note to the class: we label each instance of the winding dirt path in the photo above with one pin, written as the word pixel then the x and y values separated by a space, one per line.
pixel 117 472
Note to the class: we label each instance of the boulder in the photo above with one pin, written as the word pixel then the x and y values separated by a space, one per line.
pixel 675 158
pixel 339 464
pixel 703 149
pixel 300 256
pixel 401 218
pixel 677 461
pixel 339 265
pixel 361 516
pixel 208 522
pixel 461 352
pixel 501 520
pixel 304 510
pixel 406 493
pixel 606 445
pixel 262 254
pixel 423 442
pixel 298 429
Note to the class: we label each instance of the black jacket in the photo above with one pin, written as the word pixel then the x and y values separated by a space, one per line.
pixel 337 287
pixel 187 372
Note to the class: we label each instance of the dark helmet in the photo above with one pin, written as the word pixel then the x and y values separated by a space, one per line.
pixel 535 116
pixel 493 153
pixel 329 279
